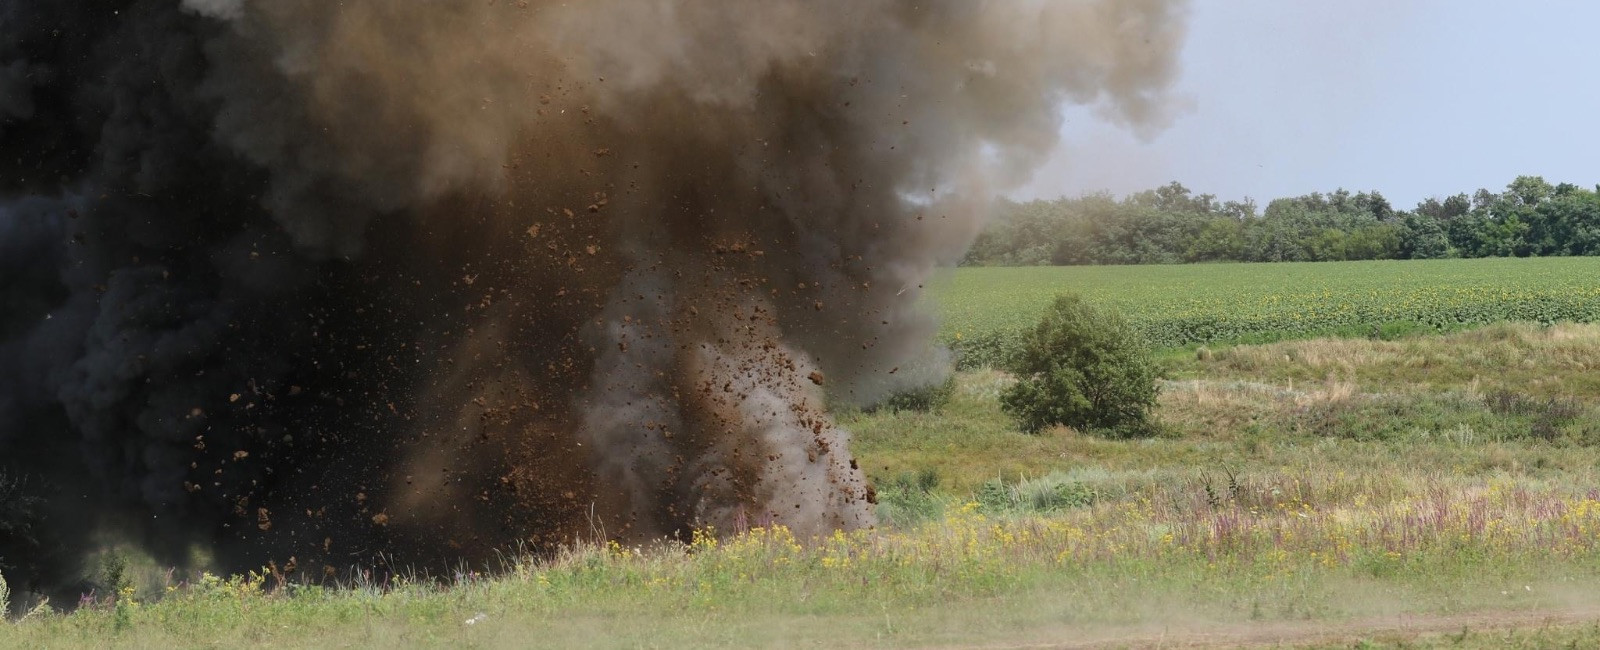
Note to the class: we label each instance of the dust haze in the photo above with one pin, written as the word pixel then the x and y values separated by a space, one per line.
pixel 329 281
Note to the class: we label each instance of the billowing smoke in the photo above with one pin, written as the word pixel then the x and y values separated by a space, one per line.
pixel 329 280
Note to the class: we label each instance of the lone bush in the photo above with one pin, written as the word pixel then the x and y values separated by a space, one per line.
pixel 1086 368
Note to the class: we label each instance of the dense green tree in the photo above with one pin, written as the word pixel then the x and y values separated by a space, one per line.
pixel 1172 224
pixel 1221 239
pixel 1084 367
pixel 1445 210
pixel 1527 191
pixel 1422 237
pixel 1374 242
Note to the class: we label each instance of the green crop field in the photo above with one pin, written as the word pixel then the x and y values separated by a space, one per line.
pixel 1176 305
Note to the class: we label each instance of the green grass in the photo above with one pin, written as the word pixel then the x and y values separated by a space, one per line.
pixel 1323 488
pixel 1541 361
pixel 1096 570
pixel 1258 508
pixel 1474 404
pixel 1176 305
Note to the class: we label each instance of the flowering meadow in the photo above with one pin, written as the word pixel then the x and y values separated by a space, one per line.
pixel 1323 488
pixel 1252 550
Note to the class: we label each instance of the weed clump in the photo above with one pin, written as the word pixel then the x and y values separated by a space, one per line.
pixel 922 399
pixel 1548 416
pixel 1086 368
pixel 909 499
pixel 1047 494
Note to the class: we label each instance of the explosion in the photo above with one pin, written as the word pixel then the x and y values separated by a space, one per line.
pixel 335 280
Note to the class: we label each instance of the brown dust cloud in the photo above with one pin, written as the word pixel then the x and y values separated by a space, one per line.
pixel 414 282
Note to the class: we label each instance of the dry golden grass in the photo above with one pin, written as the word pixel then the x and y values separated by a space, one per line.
pixel 1538 360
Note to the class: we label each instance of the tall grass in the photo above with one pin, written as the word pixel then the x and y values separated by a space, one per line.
pixel 1253 548
pixel 1404 482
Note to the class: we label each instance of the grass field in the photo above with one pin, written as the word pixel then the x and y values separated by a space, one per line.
pixel 1425 491
pixel 1175 305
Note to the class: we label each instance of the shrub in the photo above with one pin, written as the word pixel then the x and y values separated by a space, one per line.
pixel 1052 493
pixel 1083 367
pixel 113 576
pixel 1549 417
pixel 922 399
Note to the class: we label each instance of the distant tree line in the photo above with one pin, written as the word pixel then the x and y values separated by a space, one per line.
pixel 1171 224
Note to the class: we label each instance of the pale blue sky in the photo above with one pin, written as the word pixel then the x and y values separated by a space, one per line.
pixel 1413 98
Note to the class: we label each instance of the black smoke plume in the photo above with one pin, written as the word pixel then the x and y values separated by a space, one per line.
pixel 332 281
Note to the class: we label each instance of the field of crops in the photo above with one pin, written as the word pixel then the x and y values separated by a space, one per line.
pixel 1182 304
